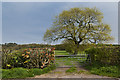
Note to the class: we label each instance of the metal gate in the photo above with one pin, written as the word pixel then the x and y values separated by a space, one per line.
pixel 66 61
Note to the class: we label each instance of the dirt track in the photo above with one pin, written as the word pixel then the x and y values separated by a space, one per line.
pixel 60 73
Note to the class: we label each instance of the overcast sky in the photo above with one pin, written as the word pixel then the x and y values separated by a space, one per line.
pixel 26 22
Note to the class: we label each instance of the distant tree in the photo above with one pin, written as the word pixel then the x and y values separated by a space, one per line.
pixel 79 25
pixel 10 44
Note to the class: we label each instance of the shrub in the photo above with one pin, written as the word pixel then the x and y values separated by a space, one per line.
pixel 104 55
pixel 28 58
pixel 10 58
pixel 38 58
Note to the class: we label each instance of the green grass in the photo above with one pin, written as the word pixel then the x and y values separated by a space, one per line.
pixel 61 52
pixel 24 73
pixel 104 70
pixel 81 71
pixel 71 70
pixel 69 61
pixel 65 61
pixel 16 73
pixel 111 71
pixel 74 70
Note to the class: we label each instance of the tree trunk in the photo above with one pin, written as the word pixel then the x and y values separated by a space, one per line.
pixel 76 49
pixel 77 45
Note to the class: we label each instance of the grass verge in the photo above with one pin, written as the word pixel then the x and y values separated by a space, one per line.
pixel 104 70
pixel 24 73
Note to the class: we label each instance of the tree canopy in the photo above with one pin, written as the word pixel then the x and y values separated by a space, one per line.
pixel 80 25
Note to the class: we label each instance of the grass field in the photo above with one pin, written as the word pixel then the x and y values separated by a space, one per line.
pixel 68 61
pixel 61 52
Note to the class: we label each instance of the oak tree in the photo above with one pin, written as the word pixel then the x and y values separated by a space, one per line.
pixel 79 25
